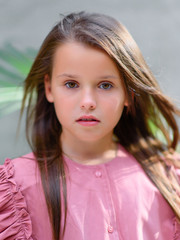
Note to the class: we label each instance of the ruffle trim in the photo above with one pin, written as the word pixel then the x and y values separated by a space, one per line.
pixel 176 225
pixel 15 222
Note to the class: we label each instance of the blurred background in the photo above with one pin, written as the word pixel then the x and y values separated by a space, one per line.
pixel 155 25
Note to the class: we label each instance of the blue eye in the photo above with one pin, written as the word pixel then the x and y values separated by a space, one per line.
pixel 71 85
pixel 106 86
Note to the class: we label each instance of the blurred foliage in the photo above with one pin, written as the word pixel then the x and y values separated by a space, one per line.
pixel 159 135
pixel 14 67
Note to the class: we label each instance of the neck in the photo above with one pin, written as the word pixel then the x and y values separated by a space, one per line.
pixel 89 153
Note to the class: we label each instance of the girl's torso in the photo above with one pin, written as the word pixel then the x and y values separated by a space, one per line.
pixel 111 201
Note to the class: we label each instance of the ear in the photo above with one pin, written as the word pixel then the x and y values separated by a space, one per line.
pixel 47 86
pixel 126 101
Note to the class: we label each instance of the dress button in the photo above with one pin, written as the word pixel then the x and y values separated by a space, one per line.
pixel 110 229
pixel 98 174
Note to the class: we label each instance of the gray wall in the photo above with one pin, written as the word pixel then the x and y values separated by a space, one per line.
pixel 154 24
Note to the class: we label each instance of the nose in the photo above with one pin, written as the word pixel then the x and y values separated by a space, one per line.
pixel 88 100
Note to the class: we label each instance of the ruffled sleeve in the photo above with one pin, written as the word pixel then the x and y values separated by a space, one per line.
pixel 15 222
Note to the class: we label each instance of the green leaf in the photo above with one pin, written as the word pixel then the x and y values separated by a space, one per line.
pixel 21 61
pixel 14 67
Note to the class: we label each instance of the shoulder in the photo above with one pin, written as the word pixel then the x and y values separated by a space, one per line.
pixel 24 170
pixel 26 162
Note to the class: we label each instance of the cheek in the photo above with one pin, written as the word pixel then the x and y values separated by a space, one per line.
pixel 63 108
pixel 113 109
pixel 115 104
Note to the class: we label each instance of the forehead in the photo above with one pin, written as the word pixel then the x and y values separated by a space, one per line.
pixel 78 57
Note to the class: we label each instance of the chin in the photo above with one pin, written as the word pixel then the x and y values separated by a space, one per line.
pixel 90 139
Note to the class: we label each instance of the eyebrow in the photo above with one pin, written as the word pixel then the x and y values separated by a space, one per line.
pixel 109 77
pixel 77 76
pixel 68 75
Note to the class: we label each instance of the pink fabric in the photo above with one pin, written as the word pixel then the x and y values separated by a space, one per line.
pixel 111 201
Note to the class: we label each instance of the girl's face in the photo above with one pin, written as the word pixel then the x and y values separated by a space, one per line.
pixel 87 92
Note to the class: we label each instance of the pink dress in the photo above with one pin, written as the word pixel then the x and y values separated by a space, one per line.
pixel 110 201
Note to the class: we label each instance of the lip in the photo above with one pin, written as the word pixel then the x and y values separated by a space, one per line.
pixel 91 122
pixel 90 117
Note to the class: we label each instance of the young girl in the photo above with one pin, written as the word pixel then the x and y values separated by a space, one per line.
pixel 97 169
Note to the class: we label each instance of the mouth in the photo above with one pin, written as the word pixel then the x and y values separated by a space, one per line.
pixel 88 119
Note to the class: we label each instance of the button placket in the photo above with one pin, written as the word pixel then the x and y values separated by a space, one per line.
pixel 111 226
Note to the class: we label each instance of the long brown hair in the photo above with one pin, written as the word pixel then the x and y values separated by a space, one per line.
pixel 148 110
